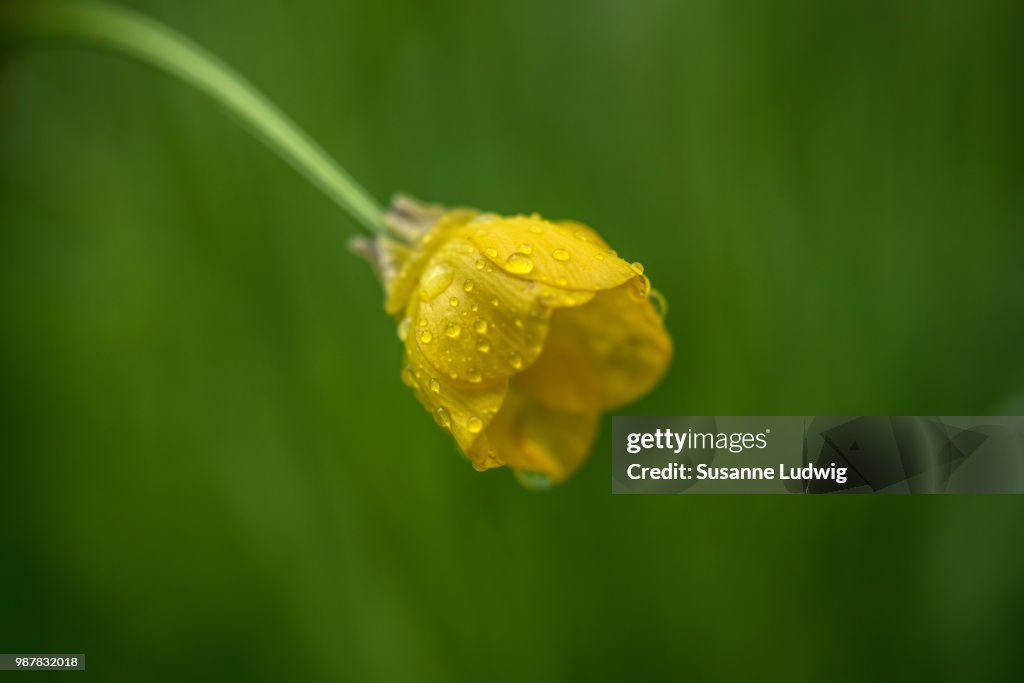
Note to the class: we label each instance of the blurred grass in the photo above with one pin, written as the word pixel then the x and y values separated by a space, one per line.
pixel 210 468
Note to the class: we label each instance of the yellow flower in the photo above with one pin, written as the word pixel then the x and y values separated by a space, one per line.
pixel 519 332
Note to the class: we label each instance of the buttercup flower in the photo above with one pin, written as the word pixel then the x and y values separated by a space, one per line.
pixel 519 332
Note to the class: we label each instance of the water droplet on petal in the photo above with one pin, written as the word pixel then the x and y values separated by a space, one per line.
pixel 423 322
pixel 494 302
pixel 515 360
pixel 467 286
pixel 561 281
pixel 435 281
pixel 480 326
pixel 491 252
pixel 442 417
pixel 473 306
pixel 473 375
pixel 479 264
pixel 519 323
pixel 464 248
pixel 637 267
pixel 426 337
pixel 453 330
pixel 580 235
pixel 435 386
pixel 475 425
pixel 525 248
pixel 560 255
pixel 403 329
pixel 453 302
pixel 536 229
pixel 520 264
pixel 483 346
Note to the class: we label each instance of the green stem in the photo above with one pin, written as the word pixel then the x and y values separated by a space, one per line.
pixel 153 43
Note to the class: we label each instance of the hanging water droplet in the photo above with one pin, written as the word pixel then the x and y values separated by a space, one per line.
pixel 560 255
pixel 515 360
pixel 475 425
pixel 483 346
pixel 453 330
pixel 403 329
pixel 467 286
pixel 637 267
pixel 525 248
pixel 426 337
pixel 480 326
pixel 473 375
pixel 442 417
pixel 537 481
pixel 435 281
pixel 435 386
pixel 453 302
pixel 520 264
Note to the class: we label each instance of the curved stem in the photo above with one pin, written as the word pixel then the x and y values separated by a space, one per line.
pixel 148 41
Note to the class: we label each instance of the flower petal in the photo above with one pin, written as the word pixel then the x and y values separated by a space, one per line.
pixel 564 255
pixel 532 437
pixel 474 321
pixel 601 355
pixel 463 408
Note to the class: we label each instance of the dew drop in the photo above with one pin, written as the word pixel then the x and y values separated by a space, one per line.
pixel 435 386
pixel 473 306
pixel 561 281
pixel 475 425
pixel 480 326
pixel 453 302
pixel 637 267
pixel 491 252
pixel 494 302
pixel 473 375
pixel 423 322
pixel 479 264
pixel 520 264
pixel 599 257
pixel 464 248
pixel 537 481
pixel 535 229
pixel 612 252
pixel 580 235
pixel 515 360
pixel 435 281
pixel 525 248
pixel 442 417
pixel 519 323
pixel 560 255
pixel 426 337
pixel 453 330
pixel 453 374
pixel 467 286
pixel 403 329
pixel 483 346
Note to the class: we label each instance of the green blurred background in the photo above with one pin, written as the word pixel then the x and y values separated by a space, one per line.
pixel 209 466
